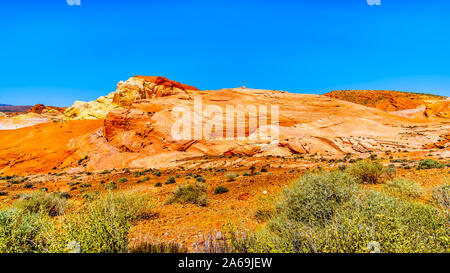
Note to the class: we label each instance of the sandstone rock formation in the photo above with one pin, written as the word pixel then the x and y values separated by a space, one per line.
pixel 140 117
pixel 145 87
pixel 97 109
pixel 140 135
pixel 42 109
pixel 127 92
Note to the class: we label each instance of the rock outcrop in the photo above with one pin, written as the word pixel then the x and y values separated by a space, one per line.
pixel 127 92
pixel 97 109
pixel 42 109
pixel 145 87
pixel 140 122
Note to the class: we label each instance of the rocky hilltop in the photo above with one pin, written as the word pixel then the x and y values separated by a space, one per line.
pixel 127 92
pixel 411 105
pixel 133 128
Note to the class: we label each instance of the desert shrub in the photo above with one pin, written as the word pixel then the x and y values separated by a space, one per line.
pixel 366 171
pixel 3 193
pixel 314 197
pixel 123 180
pixel 441 195
pixel 170 180
pixel 391 171
pixel 103 225
pixel 23 232
pixel 189 194
pixel 326 212
pixel 231 176
pixel 245 174
pixel 265 209
pixel 51 204
pixel 200 179
pixel 144 179
pixel 111 186
pixel 429 164
pixel 221 190
pixel 405 187
pixel 89 196
pixel 156 173
pixel 158 184
pixel 17 179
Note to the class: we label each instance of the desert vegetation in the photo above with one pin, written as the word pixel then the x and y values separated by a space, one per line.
pixel 343 205
pixel 331 212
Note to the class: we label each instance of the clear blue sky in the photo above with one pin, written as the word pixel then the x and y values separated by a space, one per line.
pixel 53 53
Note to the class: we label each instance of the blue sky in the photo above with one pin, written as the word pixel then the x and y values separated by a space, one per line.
pixel 53 53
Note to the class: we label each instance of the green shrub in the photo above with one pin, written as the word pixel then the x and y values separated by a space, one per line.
pixel 89 196
pixel 51 204
pixel 314 198
pixel 366 171
pixel 17 179
pixel 430 164
pixel 123 180
pixel 441 196
pixel 200 179
pixel 23 232
pixel 231 176
pixel 405 187
pixel 103 225
pixel 158 184
pixel 111 186
pixel 221 190
pixel 3 193
pixel 189 194
pixel 327 212
pixel 144 179
pixel 170 180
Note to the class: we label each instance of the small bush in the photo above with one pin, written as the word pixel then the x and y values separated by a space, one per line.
pixel 89 196
pixel 103 225
pixel 111 186
pixel 221 190
pixel 50 204
pixel 441 196
pixel 231 176
pixel 200 179
pixel 23 232
pixel 3 193
pixel 159 184
pixel 189 194
pixel 170 180
pixel 144 179
pixel 366 171
pixel 123 180
pixel 429 164
pixel 314 198
pixel 406 188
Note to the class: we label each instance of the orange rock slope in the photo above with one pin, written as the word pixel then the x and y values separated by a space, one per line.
pixel 139 134
pixel 411 105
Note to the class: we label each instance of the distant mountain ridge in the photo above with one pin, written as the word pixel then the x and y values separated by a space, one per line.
pixel 14 109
